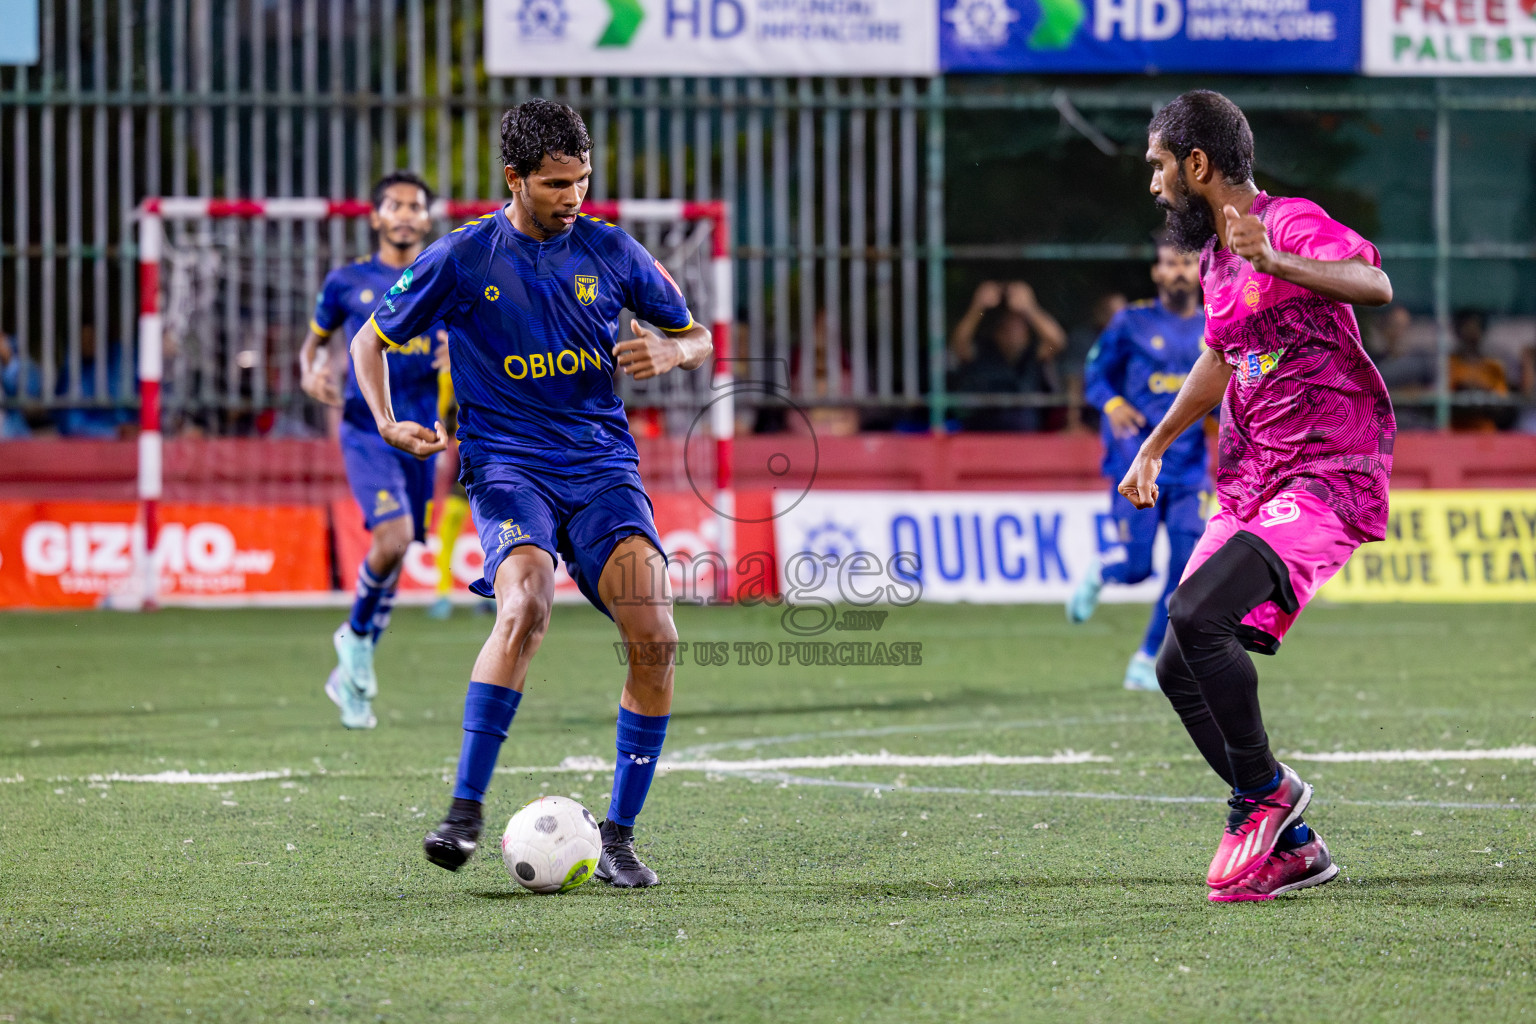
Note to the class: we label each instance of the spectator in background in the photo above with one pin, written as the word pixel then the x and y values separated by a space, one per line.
pixel 98 423
pixel 19 380
pixel 1409 373
pixel 1069 366
pixel 1472 372
pixel 1002 345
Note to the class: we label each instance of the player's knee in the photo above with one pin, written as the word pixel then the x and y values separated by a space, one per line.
pixel 1173 678
pixel 522 614
pixel 1193 614
pixel 1138 564
pixel 655 625
pixel 391 539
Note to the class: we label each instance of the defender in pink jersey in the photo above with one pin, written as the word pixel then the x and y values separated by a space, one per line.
pixel 1305 455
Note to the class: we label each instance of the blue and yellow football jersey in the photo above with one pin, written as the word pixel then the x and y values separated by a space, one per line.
pixel 531 329
pixel 346 301
pixel 1143 357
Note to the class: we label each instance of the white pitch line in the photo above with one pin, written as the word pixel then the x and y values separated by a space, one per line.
pixel 1378 756
pixel 1062 794
pixel 186 778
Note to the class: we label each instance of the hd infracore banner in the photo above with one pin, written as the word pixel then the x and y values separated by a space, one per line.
pixel 1118 36
pixel 711 37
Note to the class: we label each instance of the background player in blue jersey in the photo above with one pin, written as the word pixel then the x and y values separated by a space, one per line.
pixel 531 297
pixel 392 488
pixel 1133 374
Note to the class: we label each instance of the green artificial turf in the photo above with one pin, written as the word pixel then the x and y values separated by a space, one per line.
pixel 918 893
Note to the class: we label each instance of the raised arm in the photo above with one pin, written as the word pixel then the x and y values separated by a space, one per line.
pixel 368 363
pixel 1353 280
pixel 1202 391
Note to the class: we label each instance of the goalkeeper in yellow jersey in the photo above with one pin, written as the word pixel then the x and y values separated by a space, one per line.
pixel 454 503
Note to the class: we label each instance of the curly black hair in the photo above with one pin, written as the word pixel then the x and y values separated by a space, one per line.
pixel 1207 121
pixel 538 128
pixel 399 178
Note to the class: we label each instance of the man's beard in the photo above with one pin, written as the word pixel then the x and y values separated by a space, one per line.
pixel 1179 298
pixel 1191 225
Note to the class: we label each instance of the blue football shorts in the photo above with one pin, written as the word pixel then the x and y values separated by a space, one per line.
pixel 580 519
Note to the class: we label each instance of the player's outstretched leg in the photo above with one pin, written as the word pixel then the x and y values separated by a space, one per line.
pixel 645 625
pixel 525 590
pixel 1295 864
pixel 1205 614
pixel 353 685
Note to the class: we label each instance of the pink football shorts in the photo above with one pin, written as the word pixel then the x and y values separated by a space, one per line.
pixel 1307 544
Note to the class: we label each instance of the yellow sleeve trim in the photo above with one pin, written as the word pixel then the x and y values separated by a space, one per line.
pixel 1113 404
pixel 384 337
pixel 682 330
pixel 316 328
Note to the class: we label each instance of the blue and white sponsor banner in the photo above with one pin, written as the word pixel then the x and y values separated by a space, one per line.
pixel 1450 37
pixel 869 547
pixel 1261 37
pixel 711 37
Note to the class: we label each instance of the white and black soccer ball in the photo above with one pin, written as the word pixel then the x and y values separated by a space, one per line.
pixel 551 845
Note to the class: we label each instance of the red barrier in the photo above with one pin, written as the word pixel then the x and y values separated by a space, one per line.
pixel 250 471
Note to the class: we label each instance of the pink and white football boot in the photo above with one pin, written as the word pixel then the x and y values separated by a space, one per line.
pixel 1285 871
pixel 1254 825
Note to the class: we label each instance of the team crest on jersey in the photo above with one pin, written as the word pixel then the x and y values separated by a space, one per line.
pixel 492 293
pixel 366 295
pixel 1157 341
pixel 1251 294
pixel 586 289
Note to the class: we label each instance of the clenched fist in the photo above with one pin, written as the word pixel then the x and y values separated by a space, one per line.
pixel 1247 236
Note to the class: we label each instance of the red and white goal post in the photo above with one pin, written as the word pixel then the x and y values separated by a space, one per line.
pixel 153 215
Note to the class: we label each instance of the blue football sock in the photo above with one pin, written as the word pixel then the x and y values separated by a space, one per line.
pixel 1265 788
pixel 639 745
pixel 488 712
pixel 370 591
pixel 385 608
pixel 1298 834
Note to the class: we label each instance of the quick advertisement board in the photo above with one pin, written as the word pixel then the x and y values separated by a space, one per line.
pixel 1450 37
pixel 867 547
pixel 1260 37
pixel 711 37
pixel 1447 546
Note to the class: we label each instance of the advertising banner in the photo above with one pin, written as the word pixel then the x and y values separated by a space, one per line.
pixel 866 547
pixel 1447 546
pixel 1260 37
pixel 711 37
pixel 1450 37
pixel 80 554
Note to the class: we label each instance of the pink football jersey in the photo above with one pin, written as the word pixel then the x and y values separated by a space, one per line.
pixel 1305 407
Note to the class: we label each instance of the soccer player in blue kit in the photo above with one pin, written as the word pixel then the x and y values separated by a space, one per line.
pixel 531 297
pixel 392 488
pixel 1133 374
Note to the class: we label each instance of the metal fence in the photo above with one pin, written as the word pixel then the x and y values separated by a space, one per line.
pixel 838 186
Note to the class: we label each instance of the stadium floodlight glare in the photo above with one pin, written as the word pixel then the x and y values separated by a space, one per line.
pixel 152 215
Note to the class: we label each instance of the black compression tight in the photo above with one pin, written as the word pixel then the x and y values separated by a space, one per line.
pixel 1205 671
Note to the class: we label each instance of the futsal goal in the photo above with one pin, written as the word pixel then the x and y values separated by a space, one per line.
pixel 226 289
